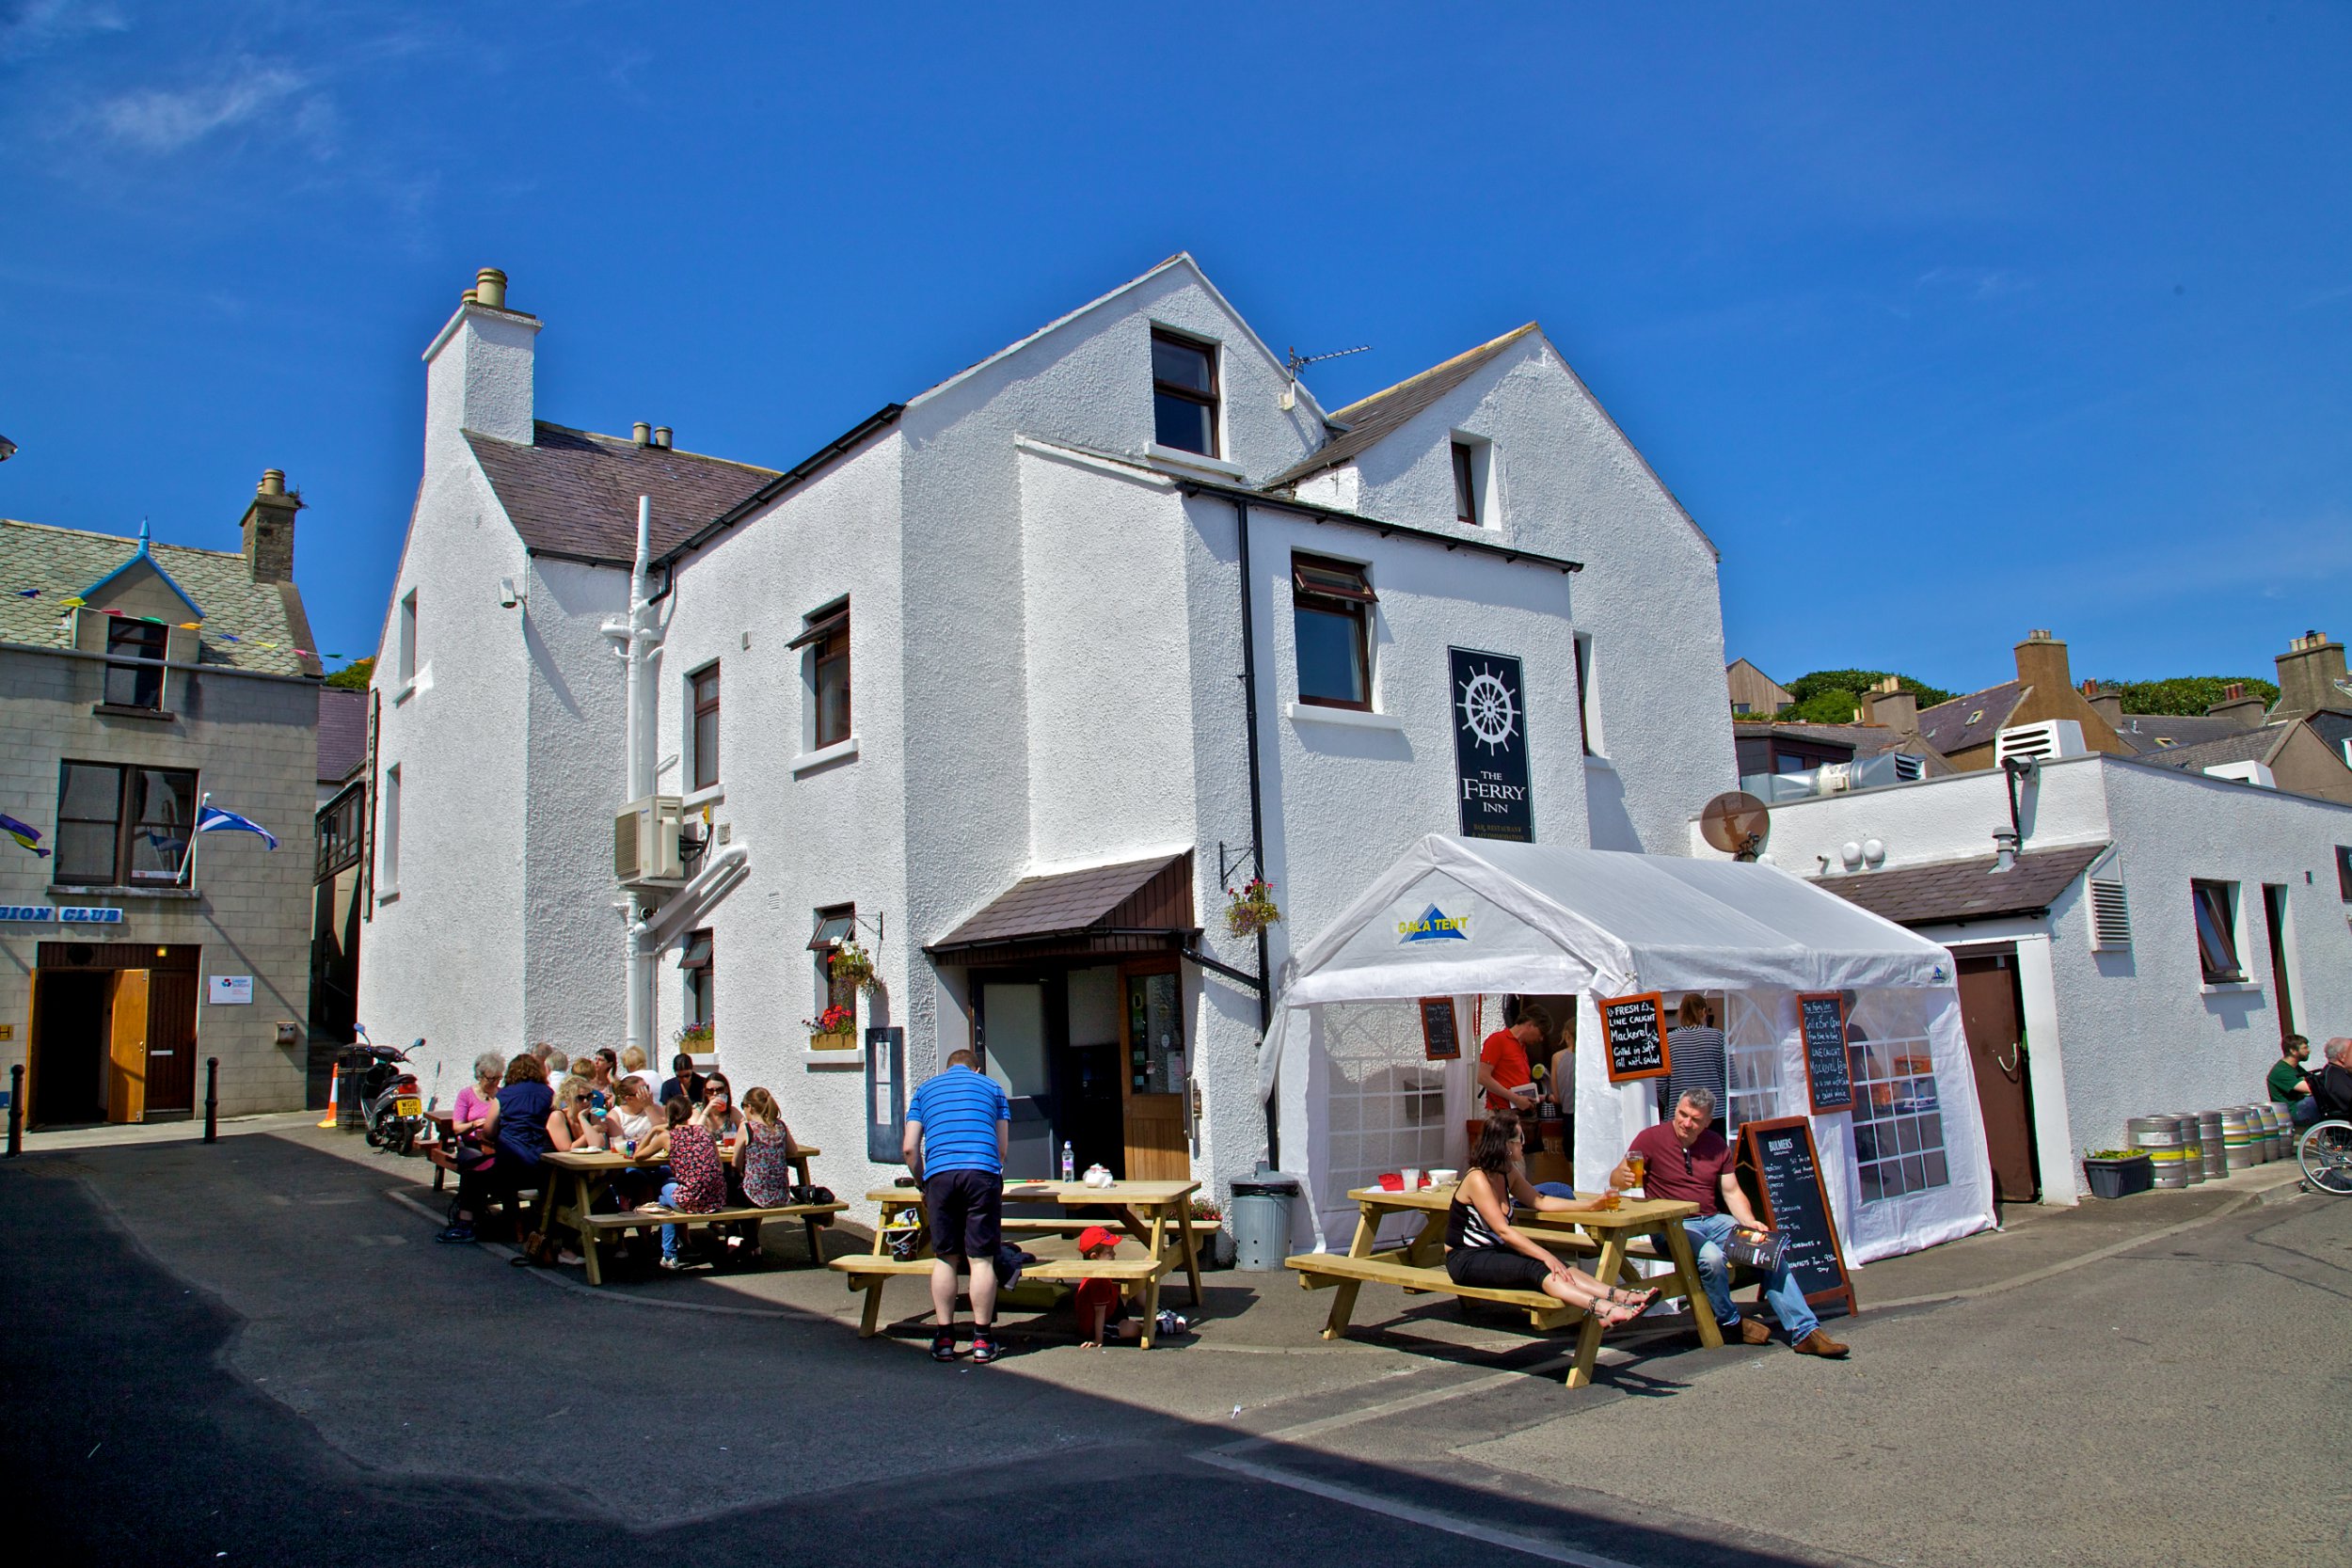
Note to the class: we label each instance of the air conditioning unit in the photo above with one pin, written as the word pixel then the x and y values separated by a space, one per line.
pixel 2249 771
pixel 645 841
pixel 2047 741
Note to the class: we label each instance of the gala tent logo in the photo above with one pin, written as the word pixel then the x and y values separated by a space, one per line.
pixel 1434 924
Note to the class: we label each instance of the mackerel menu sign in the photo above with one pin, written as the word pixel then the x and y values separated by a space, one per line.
pixel 1490 768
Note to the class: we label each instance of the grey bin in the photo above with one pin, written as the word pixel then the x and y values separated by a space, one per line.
pixel 1262 1220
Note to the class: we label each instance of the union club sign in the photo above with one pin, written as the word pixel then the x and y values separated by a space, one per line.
pixel 1490 768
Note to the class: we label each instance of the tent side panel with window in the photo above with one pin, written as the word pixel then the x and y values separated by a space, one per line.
pixel 1905 1169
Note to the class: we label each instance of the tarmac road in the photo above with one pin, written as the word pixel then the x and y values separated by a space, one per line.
pixel 249 1353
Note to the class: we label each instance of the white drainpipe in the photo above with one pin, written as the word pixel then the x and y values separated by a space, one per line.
pixel 642 638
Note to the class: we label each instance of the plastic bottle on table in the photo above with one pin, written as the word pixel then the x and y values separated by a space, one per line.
pixel 1069 1161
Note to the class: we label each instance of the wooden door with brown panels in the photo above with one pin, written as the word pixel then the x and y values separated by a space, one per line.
pixel 1994 1019
pixel 1156 1082
pixel 126 1054
pixel 171 1039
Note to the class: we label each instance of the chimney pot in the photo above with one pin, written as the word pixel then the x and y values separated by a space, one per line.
pixel 273 481
pixel 662 436
pixel 490 288
pixel 641 433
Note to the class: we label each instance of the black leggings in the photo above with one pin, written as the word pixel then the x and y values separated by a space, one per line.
pixel 1495 1268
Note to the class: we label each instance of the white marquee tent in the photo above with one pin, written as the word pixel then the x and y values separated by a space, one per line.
pixel 1905 1169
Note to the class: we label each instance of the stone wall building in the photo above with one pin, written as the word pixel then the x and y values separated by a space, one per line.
pixel 138 680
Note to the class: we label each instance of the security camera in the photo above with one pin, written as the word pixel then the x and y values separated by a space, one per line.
pixel 508 598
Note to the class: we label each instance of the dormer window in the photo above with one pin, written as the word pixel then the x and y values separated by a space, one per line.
pixel 138 684
pixel 1184 393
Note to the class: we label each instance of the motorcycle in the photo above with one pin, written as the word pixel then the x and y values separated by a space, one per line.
pixel 391 1106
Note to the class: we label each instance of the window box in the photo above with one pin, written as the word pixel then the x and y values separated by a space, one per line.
pixel 845 1040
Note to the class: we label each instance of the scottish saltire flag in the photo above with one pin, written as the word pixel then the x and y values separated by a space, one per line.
pixel 30 837
pixel 212 819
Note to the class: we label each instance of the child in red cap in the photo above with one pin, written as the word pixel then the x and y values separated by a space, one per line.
pixel 1099 1302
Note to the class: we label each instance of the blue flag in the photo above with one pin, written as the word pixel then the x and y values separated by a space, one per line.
pixel 212 819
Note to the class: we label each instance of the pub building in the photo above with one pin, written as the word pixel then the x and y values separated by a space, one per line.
pixel 137 680
pixel 1009 690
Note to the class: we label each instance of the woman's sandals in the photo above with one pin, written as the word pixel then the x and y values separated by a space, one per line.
pixel 1620 1307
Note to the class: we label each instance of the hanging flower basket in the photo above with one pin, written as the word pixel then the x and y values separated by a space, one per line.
pixel 852 965
pixel 835 1029
pixel 1252 908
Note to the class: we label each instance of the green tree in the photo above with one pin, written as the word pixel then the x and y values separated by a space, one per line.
pixel 1831 696
pixel 353 676
pixel 2186 694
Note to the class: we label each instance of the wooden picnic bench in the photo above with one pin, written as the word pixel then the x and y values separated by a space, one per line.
pixel 592 1173
pixel 1153 1213
pixel 1418 1265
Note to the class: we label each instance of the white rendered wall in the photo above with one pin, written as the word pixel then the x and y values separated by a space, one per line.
pixel 1565 481
pixel 828 835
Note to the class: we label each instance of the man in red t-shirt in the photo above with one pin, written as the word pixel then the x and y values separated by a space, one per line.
pixel 1687 1161
pixel 1502 1070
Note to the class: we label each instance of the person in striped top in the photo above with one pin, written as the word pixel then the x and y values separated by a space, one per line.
pixel 1695 1049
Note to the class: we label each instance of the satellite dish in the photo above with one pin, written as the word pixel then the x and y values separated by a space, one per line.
pixel 1735 822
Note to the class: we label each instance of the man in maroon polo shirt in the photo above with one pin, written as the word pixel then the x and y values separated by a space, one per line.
pixel 1687 1161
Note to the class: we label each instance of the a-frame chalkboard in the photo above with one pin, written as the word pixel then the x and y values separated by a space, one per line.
pixel 1782 1172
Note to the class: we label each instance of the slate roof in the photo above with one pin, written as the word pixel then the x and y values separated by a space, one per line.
pixel 2241 746
pixel 2149 733
pixel 1060 903
pixel 1867 740
pixel 1947 726
pixel 1370 419
pixel 247 624
pixel 573 492
pixel 1946 891
pixel 343 733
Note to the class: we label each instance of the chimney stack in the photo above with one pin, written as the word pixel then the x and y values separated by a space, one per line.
pixel 2041 662
pixel 1889 703
pixel 478 373
pixel 2106 704
pixel 2235 705
pixel 2311 678
pixel 269 528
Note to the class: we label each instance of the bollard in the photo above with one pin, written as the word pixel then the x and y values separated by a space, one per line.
pixel 16 1110
pixel 212 1099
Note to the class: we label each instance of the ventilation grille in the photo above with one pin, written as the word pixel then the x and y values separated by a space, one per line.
pixel 1908 769
pixel 2049 739
pixel 2110 915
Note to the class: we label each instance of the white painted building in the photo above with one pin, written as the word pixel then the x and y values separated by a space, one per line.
pixel 2156 936
pixel 967 684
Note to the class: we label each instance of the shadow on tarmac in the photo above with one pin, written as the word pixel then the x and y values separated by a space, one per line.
pixel 133 1439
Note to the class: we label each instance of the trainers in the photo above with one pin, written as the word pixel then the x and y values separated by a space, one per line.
pixel 1170 1323
pixel 983 1346
pixel 1819 1343
pixel 1754 1331
pixel 456 1233
pixel 673 1264
pixel 943 1345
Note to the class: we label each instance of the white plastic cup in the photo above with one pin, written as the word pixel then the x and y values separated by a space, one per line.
pixel 1412 1178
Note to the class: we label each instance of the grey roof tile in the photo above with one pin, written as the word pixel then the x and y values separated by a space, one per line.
pixel 573 492
pixel 1970 721
pixel 2241 746
pixel 1947 891
pixel 2157 732
pixel 1370 419
pixel 247 624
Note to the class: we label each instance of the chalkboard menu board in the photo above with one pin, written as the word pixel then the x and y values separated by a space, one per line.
pixel 1828 1077
pixel 1440 1041
pixel 1635 1028
pixel 1781 1174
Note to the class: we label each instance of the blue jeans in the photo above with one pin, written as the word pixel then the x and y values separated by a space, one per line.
pixel 2303 1111
pixel 1784 1294
pixel 671 1234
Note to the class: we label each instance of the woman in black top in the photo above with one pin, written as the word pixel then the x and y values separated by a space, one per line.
pixel 1485 1250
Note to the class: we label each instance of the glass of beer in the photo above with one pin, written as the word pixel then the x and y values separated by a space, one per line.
pixel 1638 1166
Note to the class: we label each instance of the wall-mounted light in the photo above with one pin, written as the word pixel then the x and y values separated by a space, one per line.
pixel 508 598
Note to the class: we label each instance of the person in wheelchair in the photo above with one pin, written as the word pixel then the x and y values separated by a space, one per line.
pixel 2331 1086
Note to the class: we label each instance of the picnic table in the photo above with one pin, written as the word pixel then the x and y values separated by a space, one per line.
pixel 1617 1235
pixel 593 1172
pixel 1157 1213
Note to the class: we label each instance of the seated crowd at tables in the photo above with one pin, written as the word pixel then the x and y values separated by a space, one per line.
pixel 509 1117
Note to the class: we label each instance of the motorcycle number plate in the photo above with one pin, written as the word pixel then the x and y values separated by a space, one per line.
pixel 408 1107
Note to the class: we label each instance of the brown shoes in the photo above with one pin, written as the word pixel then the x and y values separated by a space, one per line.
pixel 1754 1331
pixel 1819 1343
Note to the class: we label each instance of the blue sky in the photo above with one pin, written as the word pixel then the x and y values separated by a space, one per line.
pixel 1944 322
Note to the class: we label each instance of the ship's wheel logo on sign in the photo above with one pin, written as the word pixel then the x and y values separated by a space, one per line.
pixel 1488 711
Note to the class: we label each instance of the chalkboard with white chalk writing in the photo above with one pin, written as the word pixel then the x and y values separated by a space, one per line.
pixel 1829 1078
pixel 1635 1029
pixel 1781 1174
pixel 1440 1041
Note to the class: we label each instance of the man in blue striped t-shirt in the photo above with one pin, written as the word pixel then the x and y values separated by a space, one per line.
pixel 959 1128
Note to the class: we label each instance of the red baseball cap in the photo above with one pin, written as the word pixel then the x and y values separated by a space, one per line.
pixel 1094 1236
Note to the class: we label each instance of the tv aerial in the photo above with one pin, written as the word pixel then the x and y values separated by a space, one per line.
pixel 1298 361
pixel 1736 823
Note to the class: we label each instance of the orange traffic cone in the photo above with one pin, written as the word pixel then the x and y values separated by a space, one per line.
pixel 334 1082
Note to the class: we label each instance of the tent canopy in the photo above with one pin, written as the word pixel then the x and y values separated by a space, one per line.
pixel 1453 916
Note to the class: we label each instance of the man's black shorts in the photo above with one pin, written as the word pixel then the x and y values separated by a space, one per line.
pixel 966 1209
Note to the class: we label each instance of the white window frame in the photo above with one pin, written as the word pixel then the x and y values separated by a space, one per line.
pixel 387 836
pixel 1588 701
pixel 1484 513
pixel 404 639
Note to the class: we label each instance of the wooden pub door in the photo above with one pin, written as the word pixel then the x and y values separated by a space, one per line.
pixel 1992 1013
pixel 1155 1082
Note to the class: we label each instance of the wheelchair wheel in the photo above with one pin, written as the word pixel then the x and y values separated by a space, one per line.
pixel 2324 1152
